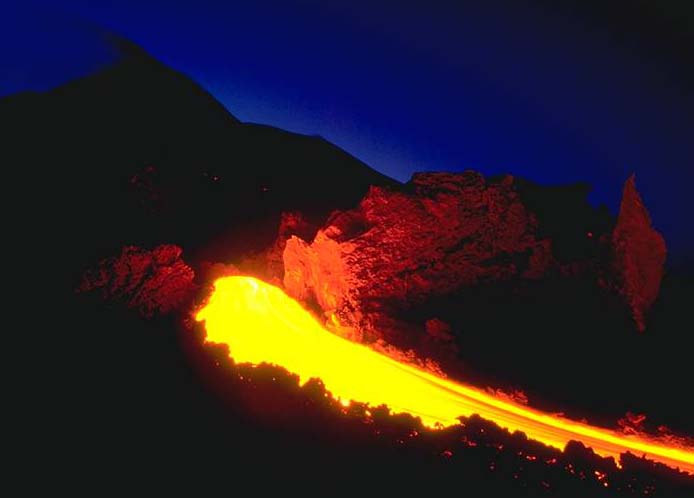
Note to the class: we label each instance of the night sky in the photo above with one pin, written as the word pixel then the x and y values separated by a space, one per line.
pixel 554 91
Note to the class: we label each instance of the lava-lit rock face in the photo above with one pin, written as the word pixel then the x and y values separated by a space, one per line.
pixel 439 233
pixel 639 254
pixel 153 282
pixel 268 264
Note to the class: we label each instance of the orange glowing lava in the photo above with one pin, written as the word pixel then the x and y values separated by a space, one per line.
pixel 261 324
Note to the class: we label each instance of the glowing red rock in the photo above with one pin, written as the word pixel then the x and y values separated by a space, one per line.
pixel 639 255
pixel 153 282
pixel 439 233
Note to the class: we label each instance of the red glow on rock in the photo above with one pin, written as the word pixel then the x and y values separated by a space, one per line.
pixel 639 255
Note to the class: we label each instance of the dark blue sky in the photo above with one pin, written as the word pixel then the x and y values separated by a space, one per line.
pixel 552 91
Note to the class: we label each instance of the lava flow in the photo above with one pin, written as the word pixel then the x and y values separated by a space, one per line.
pixel 261 324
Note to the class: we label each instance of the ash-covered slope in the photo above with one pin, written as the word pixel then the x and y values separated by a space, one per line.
pixel 138 154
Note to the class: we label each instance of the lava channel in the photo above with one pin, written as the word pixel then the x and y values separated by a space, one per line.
pixel 261 324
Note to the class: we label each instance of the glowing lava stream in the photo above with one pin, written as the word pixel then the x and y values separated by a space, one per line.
pixel 261 324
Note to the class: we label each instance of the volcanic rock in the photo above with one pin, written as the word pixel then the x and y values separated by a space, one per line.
pixel 268 264
pixel 138 153
pixel 639 254
pixel 399 247
pixel 153 282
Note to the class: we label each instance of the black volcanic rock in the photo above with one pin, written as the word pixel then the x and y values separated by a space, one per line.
pixel 565 216
pixel 139 154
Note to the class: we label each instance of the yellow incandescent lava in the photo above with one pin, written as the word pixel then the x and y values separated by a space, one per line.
pixel 261 324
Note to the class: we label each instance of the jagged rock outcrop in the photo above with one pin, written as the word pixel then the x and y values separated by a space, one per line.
pixel 639 254
pixel 269 264
pixel 441 232
pixel 153 282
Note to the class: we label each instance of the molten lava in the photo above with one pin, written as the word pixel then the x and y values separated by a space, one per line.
pixel 261 324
